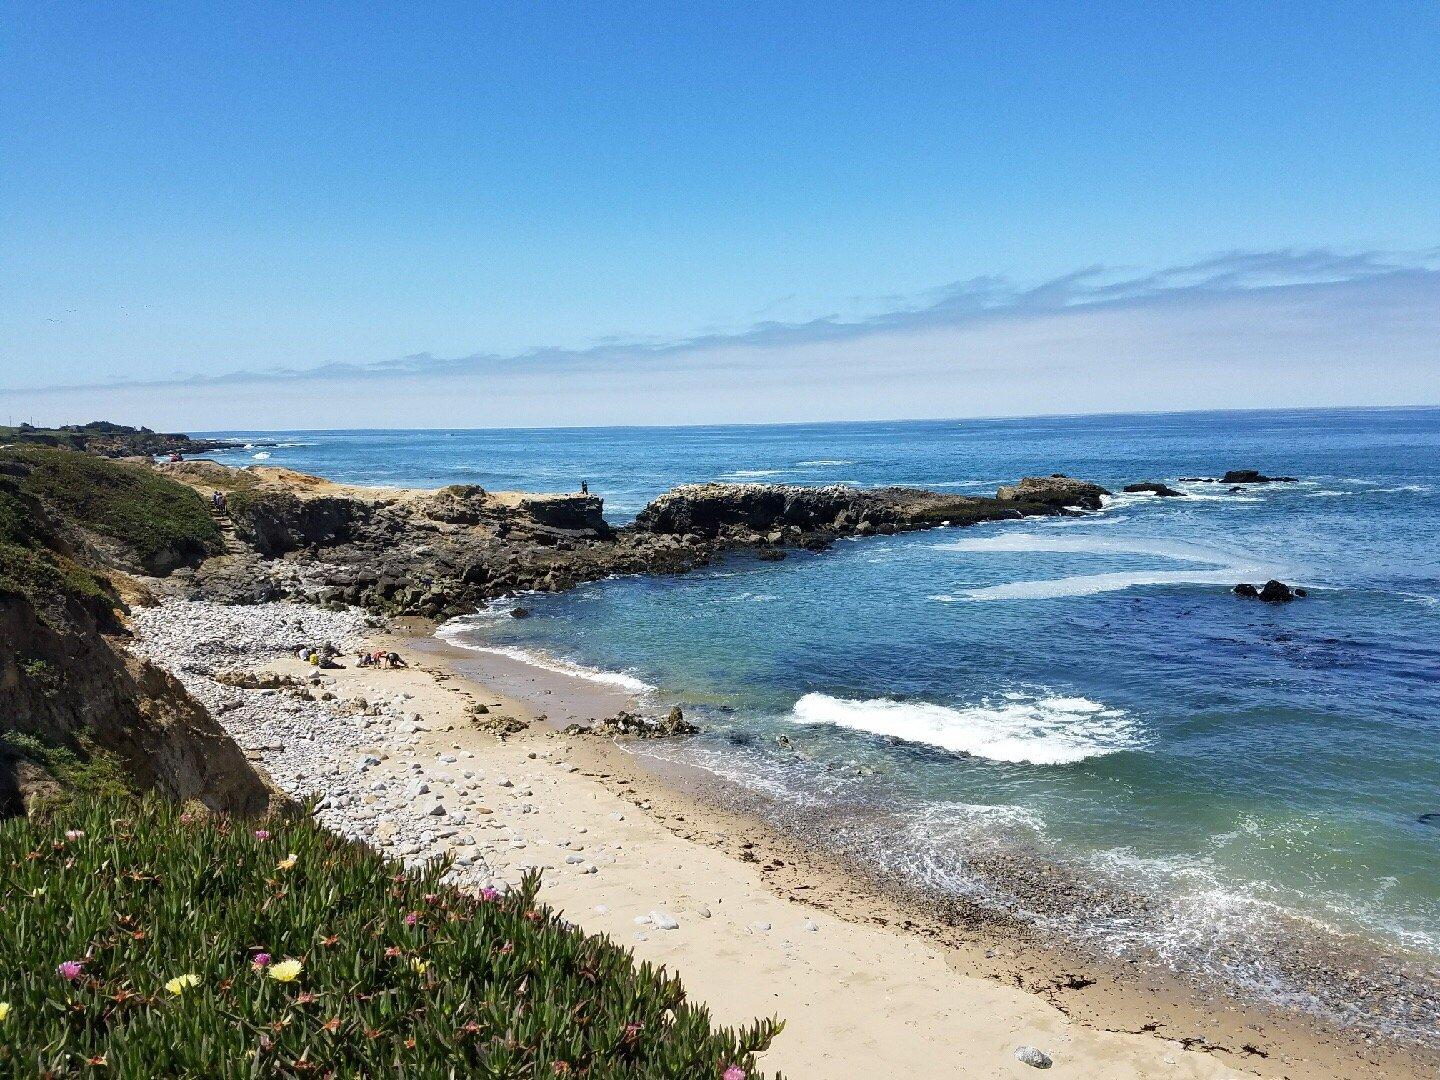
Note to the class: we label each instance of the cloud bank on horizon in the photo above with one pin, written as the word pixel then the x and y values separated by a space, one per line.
pixel 1260 329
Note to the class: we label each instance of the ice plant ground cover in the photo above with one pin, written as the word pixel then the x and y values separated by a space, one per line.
pixel 155 941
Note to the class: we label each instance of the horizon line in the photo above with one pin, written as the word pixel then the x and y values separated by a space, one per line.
pixel 991 418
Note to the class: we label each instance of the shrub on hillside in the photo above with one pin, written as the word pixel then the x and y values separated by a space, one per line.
pixel 157 522
pixel 154 941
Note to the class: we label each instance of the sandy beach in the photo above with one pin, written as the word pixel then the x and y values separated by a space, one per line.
pixel 754 925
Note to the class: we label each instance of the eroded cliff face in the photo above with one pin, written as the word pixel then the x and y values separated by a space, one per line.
pixel 75 706
pixel 75 689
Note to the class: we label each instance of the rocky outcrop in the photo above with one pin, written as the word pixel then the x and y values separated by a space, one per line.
pixel 277 522
pixel 1152 487
pixel 781 514
pixel 716 510
pixel 446 552
pixel 1272 592
pixel 642 727
pixel 1057 490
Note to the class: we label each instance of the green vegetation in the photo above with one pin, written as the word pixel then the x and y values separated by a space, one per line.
pixel 107 439
pixel 50 583
pixel 95 772
pixel 160 523
pixel 160 941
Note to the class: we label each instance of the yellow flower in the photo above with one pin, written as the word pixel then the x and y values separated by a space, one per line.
pixel 287 862
pixel 419 966
pixel 4 1011
pixel 181 983
pixel 285 971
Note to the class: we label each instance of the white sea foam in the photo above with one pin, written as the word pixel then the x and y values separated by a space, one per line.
pixel 755 472
pixel 453 632
pixel 1210 566
pixel 1016 727
pixel 1092 584
pixel 261 456
pixel 824 461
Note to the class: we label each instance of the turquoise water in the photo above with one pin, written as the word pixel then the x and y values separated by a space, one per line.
pixel 1083 690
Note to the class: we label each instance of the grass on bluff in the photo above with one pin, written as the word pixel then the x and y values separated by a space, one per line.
pixel 31 567
pixel 148 514
pixel 143 940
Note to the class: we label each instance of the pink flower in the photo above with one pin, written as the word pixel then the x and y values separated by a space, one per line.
pixel 260 961
pixel 488 893
pixel 70 970
pixel 262 834
pixel 74 834
pixel 734 1072
pixel 411 919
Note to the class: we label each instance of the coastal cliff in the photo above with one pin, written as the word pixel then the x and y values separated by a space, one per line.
pixel 77 709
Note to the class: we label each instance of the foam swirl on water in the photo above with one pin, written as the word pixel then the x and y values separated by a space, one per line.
pixel 1020 728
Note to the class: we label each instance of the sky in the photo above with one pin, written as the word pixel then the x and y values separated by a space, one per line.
pixel 329 215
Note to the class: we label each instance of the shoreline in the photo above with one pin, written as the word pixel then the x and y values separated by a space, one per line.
pixel 1104 993
pixel 764 924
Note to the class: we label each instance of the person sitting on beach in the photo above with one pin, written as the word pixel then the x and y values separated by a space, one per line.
pixel 364 659
pixel 394 659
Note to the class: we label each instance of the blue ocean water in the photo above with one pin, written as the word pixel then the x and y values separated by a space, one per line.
pixel 1083 689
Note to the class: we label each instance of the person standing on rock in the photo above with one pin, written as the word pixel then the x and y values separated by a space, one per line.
pixel 584 487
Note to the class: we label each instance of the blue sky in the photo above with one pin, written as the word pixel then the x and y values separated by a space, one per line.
pixel 566 213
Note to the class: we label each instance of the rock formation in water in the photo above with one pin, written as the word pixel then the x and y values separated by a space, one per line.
pixel 1240 476
pixel 1153 487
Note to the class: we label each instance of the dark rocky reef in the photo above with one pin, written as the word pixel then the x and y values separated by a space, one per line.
pixel 1240 476
pixel 805 516
pixel 1272 592
pixel 447 552
pixel 1059 492
pixel 1153 487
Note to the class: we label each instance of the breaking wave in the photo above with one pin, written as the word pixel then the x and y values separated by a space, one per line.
pixel 1016 727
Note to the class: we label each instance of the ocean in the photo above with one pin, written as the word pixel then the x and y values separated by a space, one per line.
pixel 1243 791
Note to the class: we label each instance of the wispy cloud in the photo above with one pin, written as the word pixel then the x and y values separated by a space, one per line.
pixel 1295 326
pixel 988 298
